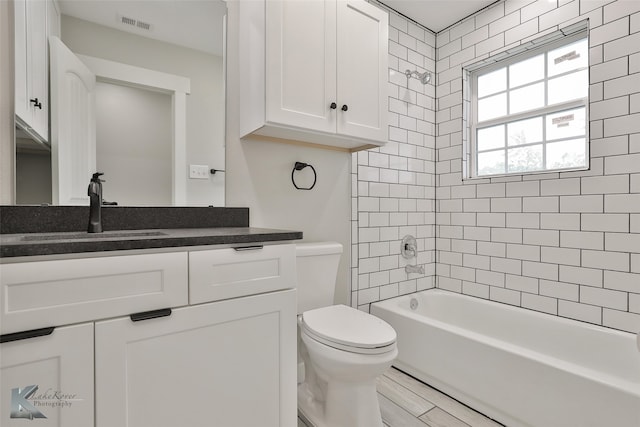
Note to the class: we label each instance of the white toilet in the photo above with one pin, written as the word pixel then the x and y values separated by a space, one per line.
pixel 343 349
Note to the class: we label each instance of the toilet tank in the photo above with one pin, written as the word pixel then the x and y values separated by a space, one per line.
pixel 317 265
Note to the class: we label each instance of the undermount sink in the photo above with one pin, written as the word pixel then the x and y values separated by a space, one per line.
pixel 76 236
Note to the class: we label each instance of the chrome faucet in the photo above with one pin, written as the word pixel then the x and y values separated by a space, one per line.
pixel 414 269
pixel 95 207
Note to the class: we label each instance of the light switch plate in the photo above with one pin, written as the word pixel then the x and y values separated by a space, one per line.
pixel 199 171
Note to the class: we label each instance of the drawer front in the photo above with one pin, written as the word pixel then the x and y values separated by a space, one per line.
pixel 52 293
pixel 229 273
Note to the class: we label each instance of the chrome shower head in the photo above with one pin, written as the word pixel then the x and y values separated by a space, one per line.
pixel 425 78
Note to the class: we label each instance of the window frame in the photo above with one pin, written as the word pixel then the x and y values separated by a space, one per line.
pixel 543 46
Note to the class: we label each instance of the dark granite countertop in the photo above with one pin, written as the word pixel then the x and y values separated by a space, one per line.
pixel 30 244
pixel 55 230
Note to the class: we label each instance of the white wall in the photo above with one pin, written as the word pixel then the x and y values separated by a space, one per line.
pixel 133 145
pixel 7 126
pixel 205 104
pixel 564 243
pixel 394 186
pixel 33 182
pixel 259 177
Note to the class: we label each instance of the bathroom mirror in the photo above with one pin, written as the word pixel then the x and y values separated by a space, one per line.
pixel 134 120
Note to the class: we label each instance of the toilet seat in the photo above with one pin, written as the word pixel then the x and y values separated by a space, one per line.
pixel 349 329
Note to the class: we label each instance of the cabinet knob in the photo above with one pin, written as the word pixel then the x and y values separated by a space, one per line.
pixel 333 106
pixel 36 103
pixel 344 107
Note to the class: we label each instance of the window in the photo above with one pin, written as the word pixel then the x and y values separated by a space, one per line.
pixel 528 112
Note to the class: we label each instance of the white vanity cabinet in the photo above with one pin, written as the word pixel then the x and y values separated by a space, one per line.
pixel 225 358
pixel 59 366
pixel 34 21
pixel 314 71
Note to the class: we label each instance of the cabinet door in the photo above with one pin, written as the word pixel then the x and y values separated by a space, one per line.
pixel 301 64
pixel 38 58
pixel 363 37
pixel 228 363
pixel 31 78
pixel 48 379
pixel 73 126
pixel 23 109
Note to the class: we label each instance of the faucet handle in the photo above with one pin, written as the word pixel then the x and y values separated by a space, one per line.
pixel 96 177
pixel 409 247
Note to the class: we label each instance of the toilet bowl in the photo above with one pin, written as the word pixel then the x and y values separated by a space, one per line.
pixel 346 350
pixel 343 350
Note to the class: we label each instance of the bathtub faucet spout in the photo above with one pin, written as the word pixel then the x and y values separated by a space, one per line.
pixel 414 269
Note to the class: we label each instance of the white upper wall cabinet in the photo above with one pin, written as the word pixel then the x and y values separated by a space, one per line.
pixel 34 21
pixel 363 40
pixel 314 71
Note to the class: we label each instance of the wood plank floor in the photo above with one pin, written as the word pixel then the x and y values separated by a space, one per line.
pixel 407 402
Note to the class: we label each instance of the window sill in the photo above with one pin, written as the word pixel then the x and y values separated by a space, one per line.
pixel 528 174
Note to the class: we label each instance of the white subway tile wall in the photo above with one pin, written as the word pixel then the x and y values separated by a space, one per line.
pixel 394 186
pixel 564 243
pixel 567 243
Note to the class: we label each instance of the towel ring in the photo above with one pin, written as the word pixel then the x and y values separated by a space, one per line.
pixel 298 167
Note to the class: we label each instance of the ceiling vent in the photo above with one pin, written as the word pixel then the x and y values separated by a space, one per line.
pixel 132 22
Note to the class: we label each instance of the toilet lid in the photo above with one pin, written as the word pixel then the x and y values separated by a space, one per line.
pixel 348 327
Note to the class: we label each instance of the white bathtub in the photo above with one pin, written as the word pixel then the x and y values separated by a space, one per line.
pixel 520 367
